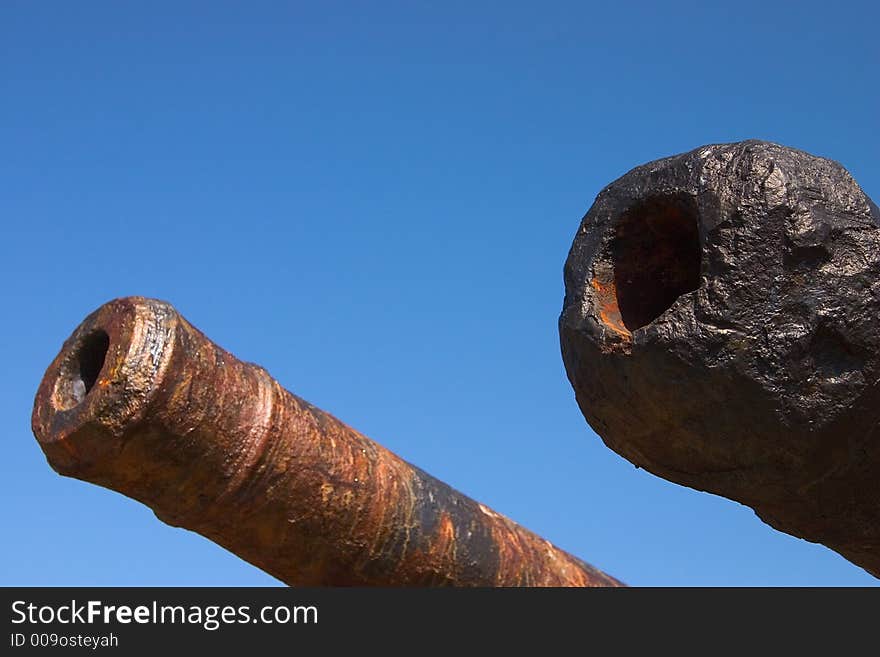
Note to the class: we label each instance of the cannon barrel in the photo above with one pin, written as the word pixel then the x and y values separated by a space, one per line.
pixel 721 329
pixel 141 402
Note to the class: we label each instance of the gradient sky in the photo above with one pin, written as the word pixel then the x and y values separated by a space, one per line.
pixel 375 201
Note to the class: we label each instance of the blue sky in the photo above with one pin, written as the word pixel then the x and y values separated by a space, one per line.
pixel 375 201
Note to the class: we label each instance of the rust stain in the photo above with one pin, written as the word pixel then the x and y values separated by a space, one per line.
pixel 442 547
pixel 606 304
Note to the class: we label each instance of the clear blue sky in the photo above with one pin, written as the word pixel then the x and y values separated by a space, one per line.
pixel 375 201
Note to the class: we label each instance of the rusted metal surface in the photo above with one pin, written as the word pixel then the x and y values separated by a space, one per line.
pixel 141 402
pixel 721 329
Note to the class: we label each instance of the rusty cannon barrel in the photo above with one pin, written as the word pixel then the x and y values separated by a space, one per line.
pixel 721 329
pixel 141 402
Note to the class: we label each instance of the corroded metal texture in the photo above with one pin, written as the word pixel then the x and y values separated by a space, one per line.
pixel 721 329
pixel 141 402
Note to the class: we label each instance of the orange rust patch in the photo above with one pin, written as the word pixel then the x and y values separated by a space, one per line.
pixel 609 311
pixel 443 545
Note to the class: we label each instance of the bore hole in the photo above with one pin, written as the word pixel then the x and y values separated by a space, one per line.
pixel 656 257
pixel 80 374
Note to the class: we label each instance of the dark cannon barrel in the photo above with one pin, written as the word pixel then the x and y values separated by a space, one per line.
pixel 141 402
pixel 721 329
